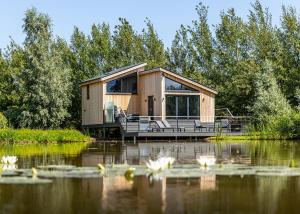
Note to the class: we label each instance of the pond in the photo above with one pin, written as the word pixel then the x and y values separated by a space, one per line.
pixel 215 193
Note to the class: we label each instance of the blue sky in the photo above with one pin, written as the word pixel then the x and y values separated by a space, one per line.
pixel 166 15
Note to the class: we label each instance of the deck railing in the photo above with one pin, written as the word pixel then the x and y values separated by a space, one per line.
pixel 187 124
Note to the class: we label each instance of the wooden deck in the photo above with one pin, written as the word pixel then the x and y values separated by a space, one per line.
pixel 181 128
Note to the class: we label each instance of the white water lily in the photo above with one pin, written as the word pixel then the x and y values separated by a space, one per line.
pixel 160 163
pixel 9 159
pixel 8 167
pixel 206 160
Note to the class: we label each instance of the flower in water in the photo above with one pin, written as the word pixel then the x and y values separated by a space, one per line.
pixel 8 167
pixel 9 159
pixel 160 163
pixel 153 165
pixel 206 160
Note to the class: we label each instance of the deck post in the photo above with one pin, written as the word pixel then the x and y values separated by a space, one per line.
pixel 104 134
pixel 123 139
pixel 134 139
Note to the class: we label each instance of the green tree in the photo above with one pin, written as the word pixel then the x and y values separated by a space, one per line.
pixel 289 33
pixel 127 45
pixel 100 42
pixel 180 58
pixel 234 69
pixel 153 47
pixel 270 102
pixel 202 49
pixel 44 81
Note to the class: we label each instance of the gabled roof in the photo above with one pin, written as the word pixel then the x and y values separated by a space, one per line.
pixel 115 71
pixel 127 69
pixel 180 77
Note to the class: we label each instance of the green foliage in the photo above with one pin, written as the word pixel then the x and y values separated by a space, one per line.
pixel 42 136
pixel 251 63
pixel 269 102
pixel 43 83
pixel 3 121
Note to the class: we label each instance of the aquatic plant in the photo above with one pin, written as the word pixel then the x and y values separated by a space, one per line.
pixel 101 167
pixel 129 173
pixel 293 164
pixel 206 160
pixel 34 172
pixel 160 164
pixel 9 159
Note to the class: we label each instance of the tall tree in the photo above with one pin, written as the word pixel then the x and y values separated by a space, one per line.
pixel 269 101
pixel 13 60
pixel 154 47
pixel 44 82
pixel 180 58
pixel 234 70
pixel 100 42
pixel 202 45
pixel 127 45
pixel 289 33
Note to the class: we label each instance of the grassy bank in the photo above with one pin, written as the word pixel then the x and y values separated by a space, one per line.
pixel 41 136
pixel 253 136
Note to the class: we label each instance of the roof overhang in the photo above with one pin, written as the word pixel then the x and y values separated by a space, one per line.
pixel 114 75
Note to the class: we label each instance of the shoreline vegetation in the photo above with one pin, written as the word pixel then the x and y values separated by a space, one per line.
pixel 8 135
pixel 253 136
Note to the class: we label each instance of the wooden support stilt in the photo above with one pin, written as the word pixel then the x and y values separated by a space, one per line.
pixel 123 139
pixel 134 139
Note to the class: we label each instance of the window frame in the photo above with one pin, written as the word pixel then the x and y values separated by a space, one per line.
pixel 88 92
pixel 121 85
pixel 189 89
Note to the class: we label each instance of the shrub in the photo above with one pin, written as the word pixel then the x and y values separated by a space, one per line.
pixel 3 121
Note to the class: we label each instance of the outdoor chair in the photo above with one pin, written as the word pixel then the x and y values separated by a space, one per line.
pixel 206 125
pixel 198 125
pixel 225 124
pixel 160 126
pixel 167 125
pixel 144 124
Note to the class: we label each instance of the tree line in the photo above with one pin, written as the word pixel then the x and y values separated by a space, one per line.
pixel 253 64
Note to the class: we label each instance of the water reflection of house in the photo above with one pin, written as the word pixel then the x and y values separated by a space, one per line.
pixel 182 152
pixel 208 183
pixel 151 196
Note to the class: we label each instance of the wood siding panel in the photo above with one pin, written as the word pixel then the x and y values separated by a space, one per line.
pixel 92 108
pixel 128 102
pixel 207 107
pixel 151 85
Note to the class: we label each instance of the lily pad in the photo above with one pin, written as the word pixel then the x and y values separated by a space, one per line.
pixel 23 180
pixel 57 167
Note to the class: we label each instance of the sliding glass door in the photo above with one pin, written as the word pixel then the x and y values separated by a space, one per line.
pixel 183 107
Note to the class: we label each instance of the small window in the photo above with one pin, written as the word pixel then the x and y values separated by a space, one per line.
pixel 87 92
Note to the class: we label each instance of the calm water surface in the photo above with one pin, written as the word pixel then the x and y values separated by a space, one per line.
pixel 212 194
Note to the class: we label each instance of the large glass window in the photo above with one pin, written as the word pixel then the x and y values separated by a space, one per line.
pixel 126 84
pixel 182 107
pixel 172 85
